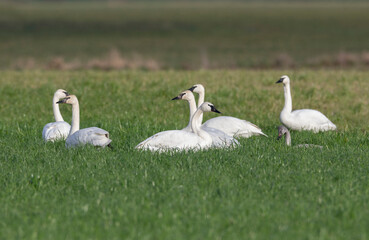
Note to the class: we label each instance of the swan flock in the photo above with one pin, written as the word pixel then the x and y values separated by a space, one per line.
pixel 217 132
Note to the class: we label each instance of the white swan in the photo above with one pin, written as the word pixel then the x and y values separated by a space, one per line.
pixel 232 126
pixel 283 131
pixel 59 129
pixel 304 119
pixel 180 139
pixel 220 139
pixel 93 135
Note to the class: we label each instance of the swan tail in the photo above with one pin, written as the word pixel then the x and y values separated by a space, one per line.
pixel 263 134
pixel 253 125
pixel 249 133
pixel 333 126
pixel 327 127
pixel 253 130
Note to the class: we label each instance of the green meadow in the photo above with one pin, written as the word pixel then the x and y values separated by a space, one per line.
pixel 260 190
pixel 125 61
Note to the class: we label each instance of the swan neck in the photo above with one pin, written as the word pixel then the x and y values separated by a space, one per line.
pixel 195 125
pixel 75 118
pixel 287 98
pixel 288 138
pixel 192 105
pixel 201 98
pixel 201 101
pixel 57 115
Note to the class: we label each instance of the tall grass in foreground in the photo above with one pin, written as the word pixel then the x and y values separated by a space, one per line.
pixel 262 189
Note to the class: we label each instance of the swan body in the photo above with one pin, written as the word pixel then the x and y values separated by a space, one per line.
pixel 283 131
pixel 78 137
pixel 174 140
pixel 59 129
pixel 234 126
pixel 93 135
pixel 304 119
pixel 231 126
pixel 181 139
pixel 220 139
pixel 55 131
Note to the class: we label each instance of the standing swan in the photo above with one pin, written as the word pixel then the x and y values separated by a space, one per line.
pixel 283 131
pixel 304 119
pixel 220 139
pixel 232 126
pixel 180 139
pixel 59 129
pixel 93 135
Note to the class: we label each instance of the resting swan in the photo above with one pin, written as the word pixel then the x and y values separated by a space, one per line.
pixel 59 129
pixel 220 139
pixel 232 126
pixel 93 135
pixel 180 139
pixel 304 119
pixel 283 131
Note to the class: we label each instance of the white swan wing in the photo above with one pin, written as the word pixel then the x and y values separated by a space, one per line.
pixel 172 139
pixel 93 135
pixel 234 126
pixel 55 131
pixel 220 138
pixel 309 119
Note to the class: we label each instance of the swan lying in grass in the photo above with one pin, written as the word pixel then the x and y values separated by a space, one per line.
pixel 220 139
pixel 232 126
pixel 93 135
pixel 283 131
pixel 304 119
pixel 180 139
pixel 59 129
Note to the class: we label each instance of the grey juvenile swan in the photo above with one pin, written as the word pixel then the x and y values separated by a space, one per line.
pixel 282 130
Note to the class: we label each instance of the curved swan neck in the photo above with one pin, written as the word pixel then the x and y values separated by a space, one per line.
pixel 201 101
pixel 57 115
pixel 195 125
pixel 192 105
pixel 287 98
pixel 75 118
pixel 288 138
pixel 201 98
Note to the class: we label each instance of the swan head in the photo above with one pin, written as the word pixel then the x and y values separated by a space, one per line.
pixel 284 79
pixel 71 99
pixel 185 95
pixel 208 107
pixel 61 93
pixel 282 130
pixel 197 88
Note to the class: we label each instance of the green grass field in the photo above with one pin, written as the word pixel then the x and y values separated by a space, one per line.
pixel 261 190
pixel 228 35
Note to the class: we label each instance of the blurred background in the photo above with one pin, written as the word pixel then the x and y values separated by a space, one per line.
pixel 183 35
